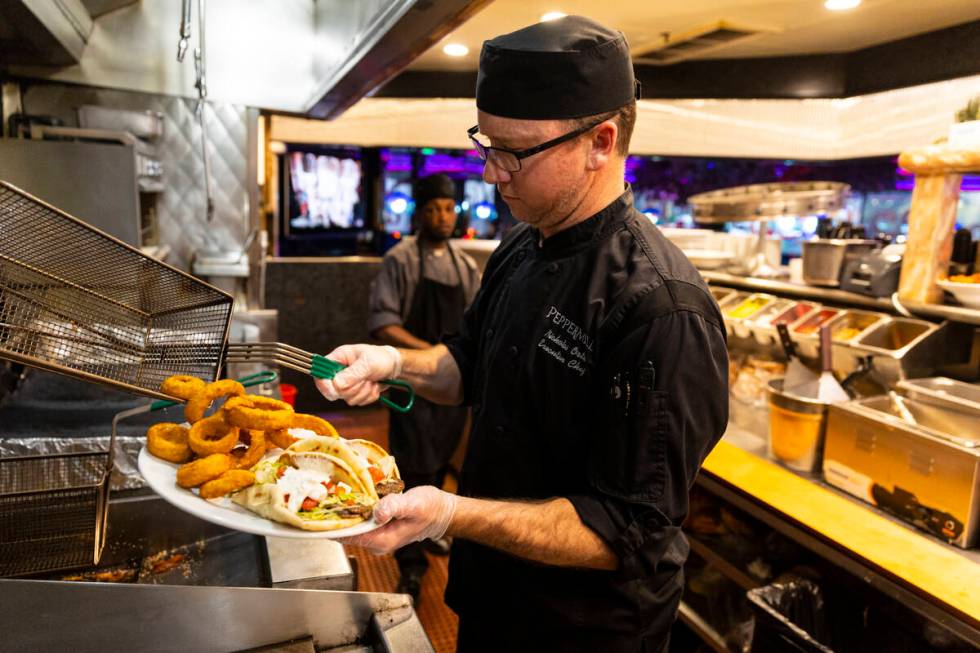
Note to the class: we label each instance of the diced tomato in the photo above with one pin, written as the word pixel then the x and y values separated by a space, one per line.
pixel 309 504
pixel 281 472
pixel 376 475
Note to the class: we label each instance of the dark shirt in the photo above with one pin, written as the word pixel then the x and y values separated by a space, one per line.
pixel 393 290
pixel 596 364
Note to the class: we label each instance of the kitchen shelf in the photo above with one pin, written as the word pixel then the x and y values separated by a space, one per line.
pixel 701 628
pixel 730 571
pixel 935 580
pixel 934 311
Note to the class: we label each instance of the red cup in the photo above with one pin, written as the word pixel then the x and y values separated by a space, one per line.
pixel 288 393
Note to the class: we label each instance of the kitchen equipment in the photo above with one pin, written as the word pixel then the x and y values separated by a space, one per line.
pixel 873 273
pixel 797 425
pixel 53 506
pixel 807 330
pixel 114 315
pixel 739 315
pixel 904 348
pixel 764 324
pixel 823 259
pixel 100 617
pixel 852 323
pixel 764 202
pixel 759 325
pixel 943 392
pixel 927 473
pixel 899 405
pixel 797 374
pixel 826 388
pixel 52 510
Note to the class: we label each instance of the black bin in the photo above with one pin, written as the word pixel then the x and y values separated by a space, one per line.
pixel 790 617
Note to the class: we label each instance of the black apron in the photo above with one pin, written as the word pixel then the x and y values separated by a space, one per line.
pixel 424 439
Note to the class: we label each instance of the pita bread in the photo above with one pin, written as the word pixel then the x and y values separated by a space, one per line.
pixel 341 449
pixel 269 500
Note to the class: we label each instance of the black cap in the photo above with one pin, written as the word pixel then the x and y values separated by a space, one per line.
pixel 433 187
pixel 571 67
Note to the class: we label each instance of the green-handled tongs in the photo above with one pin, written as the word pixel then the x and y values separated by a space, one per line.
pixel 315 365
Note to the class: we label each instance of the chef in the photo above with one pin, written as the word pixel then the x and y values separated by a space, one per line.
pixel 594 359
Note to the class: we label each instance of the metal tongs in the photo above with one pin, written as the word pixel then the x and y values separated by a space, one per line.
pixel 317 366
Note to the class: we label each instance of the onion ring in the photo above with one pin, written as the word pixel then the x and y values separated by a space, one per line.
pixel 212 435
pixel 200 402
pixel 252 455
pixel 169 442
pixel 258 413
pixel 182 386
pixel 203 470
pixel 282 438
pixel 230 481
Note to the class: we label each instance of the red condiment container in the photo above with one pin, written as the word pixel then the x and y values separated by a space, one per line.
pixel 288 393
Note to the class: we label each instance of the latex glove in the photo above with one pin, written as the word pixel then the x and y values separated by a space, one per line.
pixel 366 365
pixel 421 513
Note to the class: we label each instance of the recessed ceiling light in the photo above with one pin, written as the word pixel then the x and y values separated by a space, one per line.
pixel 841 5
pixel 552 15
pixel 455 49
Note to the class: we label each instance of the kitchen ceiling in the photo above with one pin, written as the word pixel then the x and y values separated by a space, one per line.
pixel 782 27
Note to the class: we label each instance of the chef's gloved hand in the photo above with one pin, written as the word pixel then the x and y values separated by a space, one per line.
pixel 359 385
pixel 421 513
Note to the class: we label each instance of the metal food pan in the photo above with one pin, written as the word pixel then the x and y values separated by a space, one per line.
pixel 806 331
pixel 763 324
pixel 730 302
pixel 851 324
pixel 945 392
pixel 902 348
pixel 755 304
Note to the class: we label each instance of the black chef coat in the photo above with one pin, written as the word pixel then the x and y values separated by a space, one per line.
pixel 596 364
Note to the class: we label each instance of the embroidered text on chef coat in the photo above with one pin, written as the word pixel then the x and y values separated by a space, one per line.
pixel 566 341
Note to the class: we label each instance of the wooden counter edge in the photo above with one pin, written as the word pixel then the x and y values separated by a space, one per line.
pixel 920 562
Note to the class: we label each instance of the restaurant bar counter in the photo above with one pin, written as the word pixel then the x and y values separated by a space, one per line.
pixel 760 525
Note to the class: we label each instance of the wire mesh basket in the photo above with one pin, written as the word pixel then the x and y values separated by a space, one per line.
pixel 77 301
pixel 53 511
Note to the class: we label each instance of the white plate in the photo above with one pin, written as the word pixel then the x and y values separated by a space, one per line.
pixel 162 477
pixel 707 259
pixel 967 293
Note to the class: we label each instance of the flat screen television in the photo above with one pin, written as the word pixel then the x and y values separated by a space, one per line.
pixel 322 190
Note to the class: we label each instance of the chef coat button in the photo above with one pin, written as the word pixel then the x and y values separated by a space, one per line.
pixel 499 429
pixel 553 268
pixel 489 333
pixel 512 350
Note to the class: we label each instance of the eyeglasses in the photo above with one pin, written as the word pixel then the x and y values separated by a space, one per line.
pixel 510 160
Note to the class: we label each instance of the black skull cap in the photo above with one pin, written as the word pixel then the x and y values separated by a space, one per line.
pixel 571 67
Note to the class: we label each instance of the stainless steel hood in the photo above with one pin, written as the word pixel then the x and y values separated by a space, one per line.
pixel 308 57
pixel 52 32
